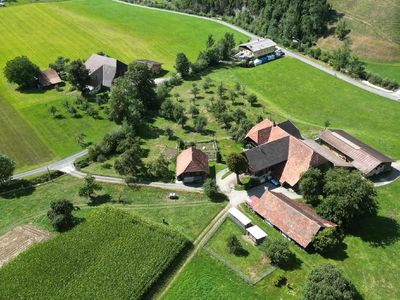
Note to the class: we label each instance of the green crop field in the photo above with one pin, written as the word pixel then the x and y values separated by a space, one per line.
pixel 112 255
pixel 389 70
pixel 368 259
pixel 76 29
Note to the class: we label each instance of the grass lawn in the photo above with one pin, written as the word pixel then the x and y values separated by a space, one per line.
pixel 188 215
pixel 389 70
pixel 111 255
pixel 251 263
pixel 76 29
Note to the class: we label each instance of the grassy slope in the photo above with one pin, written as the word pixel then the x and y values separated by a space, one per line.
pixel 188 215
pixel 76 29
pixel 369 260
pixel 389 70
pixel 375 28
pixel 97 259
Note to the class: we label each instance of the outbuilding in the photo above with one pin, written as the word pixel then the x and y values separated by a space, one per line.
pixel 192 165
pixel 48 78
pixel 257 48
pixel 256 234
pixel 239 218
pixel 153 66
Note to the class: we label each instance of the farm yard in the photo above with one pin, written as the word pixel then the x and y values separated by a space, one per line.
pixel 110 255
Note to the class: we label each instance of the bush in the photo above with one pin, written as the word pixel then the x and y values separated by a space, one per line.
pixel 278 252
pixel 210 188
pixel 234 246
pixel 280 281
pixel 60 215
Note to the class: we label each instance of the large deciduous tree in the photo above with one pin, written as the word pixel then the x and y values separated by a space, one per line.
pixel 327 282
pixel 78 75
pixel 311 185
pixel 182 65
pixel 21 71
pixel 237 164
pixel 60 214
pixel 7 166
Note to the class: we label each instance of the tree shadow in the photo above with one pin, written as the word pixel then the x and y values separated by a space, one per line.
pixel 378 231
pixel 150 131
pixel 294 263
pixel 17 188
pixel 339 253
pixel 99 199
pixel 218 198
pixel 241 252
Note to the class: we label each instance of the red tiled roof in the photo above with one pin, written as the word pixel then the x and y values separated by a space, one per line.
pixel 363 157
pixel 294 218
pixel 49 77
pixel 191 160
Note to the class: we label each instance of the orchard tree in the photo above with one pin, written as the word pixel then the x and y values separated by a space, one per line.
pixel 21 71
pixel 252 99
pixel 182 65
pixel 195 90
pixel 89 188
pixel 327 282
pixel 159 168
pixel 278 252
pixel 199 123
pixel 130 162
pixel 78 75
pixel 234 246
pixel 237 164
pixel 7 167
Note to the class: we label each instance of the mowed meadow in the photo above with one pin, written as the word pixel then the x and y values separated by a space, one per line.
pixel 76 29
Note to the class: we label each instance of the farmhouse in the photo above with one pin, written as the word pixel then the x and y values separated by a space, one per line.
pixel 257 48
pixel 280 151
pixel 352 151
pixel 192 165
pixel 103 70
pixel 48 78
pixel 256 234
pixel 239 218
pixel 294 219
pixel 153 66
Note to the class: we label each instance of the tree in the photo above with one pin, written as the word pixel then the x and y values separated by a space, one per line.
pixel 234 246
pixel 195 90
pixel 221 90
pixel 7 167
pixel 237 164
pixel 238 115
pixel 21 71
pixel 60 215
pixel 78 75
pixel 179 115
pixel 239 130
pixel 182 65
pixel 130 162
pixel 327 240
pixel 124 105
pixel 226 45
pixel 348 197
pixel 53 111
pixel 210 188
pixel 311 186
pixel 159 168
pixel 252 99
pixel 278 252
pixel 210 41
pixel 199 123
pixel 141 79
pixel 193 110
pixel 60 66
pixel 342 29
pixel 89 188
pixel 327 282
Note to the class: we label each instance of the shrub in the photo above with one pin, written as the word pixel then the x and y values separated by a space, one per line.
pixel 210 188
pixel 280 281
pixel 60 214
pixel 278 252
pixel 234 246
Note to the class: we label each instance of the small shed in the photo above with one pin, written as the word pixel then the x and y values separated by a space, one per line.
pixel 256 234
pixel 48 78
pixel 153 66
pixel 239 218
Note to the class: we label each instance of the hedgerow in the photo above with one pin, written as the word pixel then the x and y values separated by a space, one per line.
pixel 112 255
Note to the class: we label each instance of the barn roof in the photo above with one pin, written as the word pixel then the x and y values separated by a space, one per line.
pixel 363 157
pixel 148 62
pixel 294 218
pixel 257 45
pixel 48 77
pixel 103 69
pixel 191 160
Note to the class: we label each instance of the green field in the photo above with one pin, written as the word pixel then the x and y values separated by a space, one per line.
pixel 389 70
pixel 188 215
pixel 112 255
pixel 76 29
pixel 368 259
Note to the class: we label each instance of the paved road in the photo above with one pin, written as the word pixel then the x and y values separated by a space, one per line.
pixel 380 92
pixel 53 166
